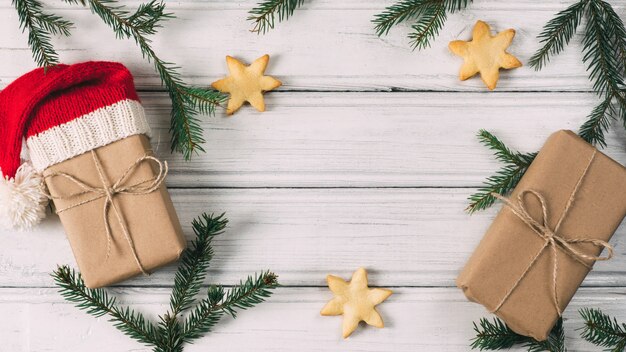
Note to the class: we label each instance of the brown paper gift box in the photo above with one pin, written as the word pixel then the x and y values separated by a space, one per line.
pixel 151 219
pixel 510 245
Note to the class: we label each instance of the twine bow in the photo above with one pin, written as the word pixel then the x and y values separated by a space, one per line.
pixel 108 192
pixel 550 237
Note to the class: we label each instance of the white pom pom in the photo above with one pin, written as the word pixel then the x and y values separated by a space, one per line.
pixel 22 199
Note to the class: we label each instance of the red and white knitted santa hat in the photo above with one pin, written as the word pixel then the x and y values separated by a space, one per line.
pixel 62 112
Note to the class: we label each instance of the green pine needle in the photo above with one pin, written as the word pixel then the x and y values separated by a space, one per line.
pixel 600 54
pixel 604 46
pixel 598 122
pixel 187 102
pixel 497 335
pixel 428 25
pixel 428 17
pixel 41 26
pixel 494 335
pixel 170 334
pixel 603 330
pixel 503 182
pixel 604 53
pixel 557 33
pixel 264 14
pixel 604 50
pixel 195 262
pixel 254 290
pixel 397 13
pixel 97 302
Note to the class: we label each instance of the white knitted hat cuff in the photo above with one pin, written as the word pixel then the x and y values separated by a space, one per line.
pixel 96 129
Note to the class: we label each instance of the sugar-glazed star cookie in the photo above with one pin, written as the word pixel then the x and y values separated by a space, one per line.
pixel 485 54
pixel 246 83
pixel 355 301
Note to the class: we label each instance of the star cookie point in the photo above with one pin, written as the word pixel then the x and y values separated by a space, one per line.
pixel 485 54
pixel 355 301
pixel 246 83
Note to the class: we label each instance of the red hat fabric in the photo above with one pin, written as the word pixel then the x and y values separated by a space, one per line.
pixel 66 111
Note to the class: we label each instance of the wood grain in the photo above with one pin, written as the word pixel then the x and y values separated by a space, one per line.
pixel 406 237
pixel 369 139
pixel 365 157
pixel 330 45
pixel 416 319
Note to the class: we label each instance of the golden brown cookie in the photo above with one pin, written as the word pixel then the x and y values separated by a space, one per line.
pixel 246 83
pixel 355 301
pixel 485 54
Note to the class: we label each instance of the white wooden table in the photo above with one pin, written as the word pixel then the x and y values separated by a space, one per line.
pixel 365 157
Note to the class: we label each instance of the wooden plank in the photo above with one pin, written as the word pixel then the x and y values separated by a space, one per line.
pixel 369 139
pixel 417 319
pixel 343 53
pixel 406 237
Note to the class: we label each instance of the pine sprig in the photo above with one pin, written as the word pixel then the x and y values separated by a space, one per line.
pixel 494 335
pixel 170 334
pixel 497 335
pixel 604 66
pixel 187 101
pixel 604 53
pixel 554 343
pixel 397 13
pixel 41 26
pixel 252 291
pixel 505 179
pixel 265 13
pixel 429 17
pixel 604 50
pixel 97 302
pixel 557 33
pixel 598 122
pixel 195 262
pixel 428 25
pixel 603 330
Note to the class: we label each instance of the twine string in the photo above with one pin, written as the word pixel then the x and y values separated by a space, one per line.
pixel 109 192
pixel 550 237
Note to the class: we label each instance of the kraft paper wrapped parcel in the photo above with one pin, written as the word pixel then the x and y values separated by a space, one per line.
pixel 87 139
pixel 511 272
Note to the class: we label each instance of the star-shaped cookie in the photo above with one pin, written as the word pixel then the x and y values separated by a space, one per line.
pixel 485 54
pixel 355 301
pixel 246 83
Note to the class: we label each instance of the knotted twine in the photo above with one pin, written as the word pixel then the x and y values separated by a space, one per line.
pixel 551 238
pixel 109 192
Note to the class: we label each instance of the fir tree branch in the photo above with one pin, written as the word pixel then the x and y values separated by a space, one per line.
pixel 497 335
pixel 494 335
pixel 554 343
pixel 264 14
pixel 194 262
pixel 187 101
pixel 428 25
pixel 208 312
pixel 604 53
pixel 41 26
pixel 618 33
pixel 606 71
pixel 429 17
pixel 598 122
pixel 170 334
pixel 98 303
pixel 602 330
pixel 397 13
pixel 604 45
pixel 515 165
pixel 557 33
